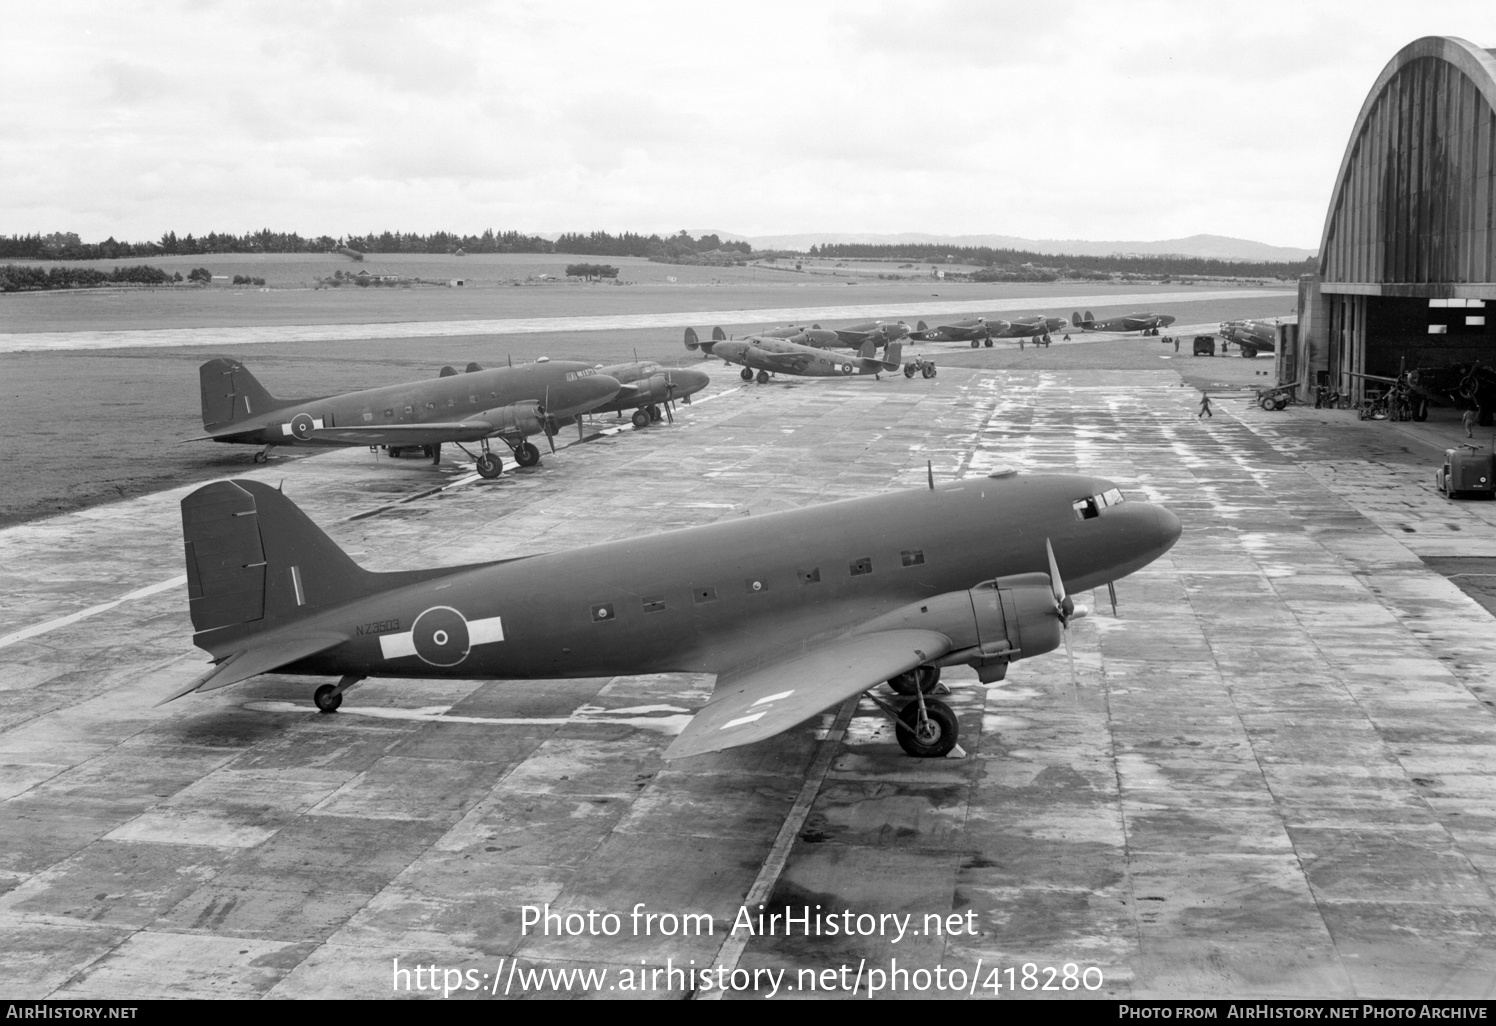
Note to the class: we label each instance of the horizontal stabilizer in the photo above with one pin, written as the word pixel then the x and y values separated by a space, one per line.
pixel 769 699
pixel 266 652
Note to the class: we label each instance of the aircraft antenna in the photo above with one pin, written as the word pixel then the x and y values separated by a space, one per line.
pixel 930 473
pixel 511 359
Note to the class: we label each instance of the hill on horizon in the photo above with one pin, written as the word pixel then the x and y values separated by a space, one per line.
pixel 1218 247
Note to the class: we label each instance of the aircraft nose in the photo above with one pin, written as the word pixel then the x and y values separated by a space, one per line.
pixel 582 395
pixel 689 382
pixel 1169 528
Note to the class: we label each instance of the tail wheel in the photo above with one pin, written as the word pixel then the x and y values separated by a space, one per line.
pixel 931 737
pixel 326 700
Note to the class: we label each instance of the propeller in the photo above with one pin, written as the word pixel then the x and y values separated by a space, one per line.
pixel 1065 608
pixel 545 420
pixel 669 396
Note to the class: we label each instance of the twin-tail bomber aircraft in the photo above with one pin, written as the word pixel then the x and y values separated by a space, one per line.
pixel 794 612
pixel 1147 323
pixel 507 403
pixel 768 356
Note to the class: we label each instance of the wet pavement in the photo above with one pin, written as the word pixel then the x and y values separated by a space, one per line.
pixel 1269 775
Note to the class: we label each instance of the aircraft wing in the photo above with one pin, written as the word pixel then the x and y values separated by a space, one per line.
pixel 404 434
pixel 792 362
pixel 769 699
pixel 260 655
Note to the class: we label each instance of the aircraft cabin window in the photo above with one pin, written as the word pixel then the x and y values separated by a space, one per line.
pixel 810 575
pixel 451 402
pixel 603 612
pixel 913 557
pixel 708 594
pixel 654 603
pixel 431 406
pixel 861 566
pixel 389 413
pixel 368 417
pixel 755 585
pixel 1086 509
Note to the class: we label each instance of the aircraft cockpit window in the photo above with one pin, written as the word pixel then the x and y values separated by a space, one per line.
pixel 1111 497
pixel 1087 508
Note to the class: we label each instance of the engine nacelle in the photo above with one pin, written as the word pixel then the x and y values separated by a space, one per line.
pixel 515 419
pixel 989 626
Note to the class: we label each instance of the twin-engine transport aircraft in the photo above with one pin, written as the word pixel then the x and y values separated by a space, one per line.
pixel 974 330
pixel 793 612
pixel 879 332
pixel 1147 323
pixel 780 356
pixel 1251 337
pixel 1033 327
pixel 648 389
pixel 507 403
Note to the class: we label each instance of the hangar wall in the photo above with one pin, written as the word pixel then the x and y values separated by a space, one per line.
pixel 1407 259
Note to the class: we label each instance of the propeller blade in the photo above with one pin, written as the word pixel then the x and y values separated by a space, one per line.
pixel 1056 585
pixel 545 421
pixel 669 413
pixel 1111 590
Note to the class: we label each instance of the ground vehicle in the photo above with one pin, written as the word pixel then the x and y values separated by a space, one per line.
pixel 1279 397
pixel 926 368
pixel 1205 345
pixel 1467 471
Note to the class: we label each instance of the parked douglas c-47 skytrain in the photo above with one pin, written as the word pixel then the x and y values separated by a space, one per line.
pixel 780 356
pixel 507 403
pixel 794 612
pixel 1251 337
pixel 1147 323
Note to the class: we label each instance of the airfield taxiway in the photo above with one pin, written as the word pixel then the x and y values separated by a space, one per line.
pixel 1271 776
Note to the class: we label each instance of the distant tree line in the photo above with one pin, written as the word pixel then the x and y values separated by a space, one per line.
pixel 590 271
pixel 21 278
pixel 68 246
pixel 1069 265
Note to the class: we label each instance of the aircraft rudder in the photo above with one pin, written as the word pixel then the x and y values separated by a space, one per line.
pixel 693 341
pixel 894 354
pixel 230 393
pixel 718 335
pixel 253 555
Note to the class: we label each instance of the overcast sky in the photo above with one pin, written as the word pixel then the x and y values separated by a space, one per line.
pixel 1048 120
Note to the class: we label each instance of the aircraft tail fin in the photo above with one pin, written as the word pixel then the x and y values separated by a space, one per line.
pixel 1081 322
pixel 693 340
pixel 893 355
pixel 231 393
pixel 920 326
pixel 869 350
pixel 718 335
pixel 252 555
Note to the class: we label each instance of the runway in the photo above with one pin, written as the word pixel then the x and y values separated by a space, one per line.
pixel 39 341
pixel 1270 776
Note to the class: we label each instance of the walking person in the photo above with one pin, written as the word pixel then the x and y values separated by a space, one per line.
pixel 1469 421
pixel 1204 407
pixel 1176 343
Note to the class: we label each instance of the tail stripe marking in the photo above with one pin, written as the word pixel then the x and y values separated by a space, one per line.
pixel 480 632
pixel 296 584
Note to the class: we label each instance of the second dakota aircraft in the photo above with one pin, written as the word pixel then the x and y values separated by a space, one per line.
pixel 1147 323
pixel 794 612
pixel 780 356
pixel 507 403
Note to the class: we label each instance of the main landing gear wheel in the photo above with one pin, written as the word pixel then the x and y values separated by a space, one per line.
pixel 927 676
pixel 975 342
pixel 929 737
pixel 746 374
pixel 763 377
pixel 654 413
pixel 988 343
pixel 640 419
pixel 326 700
pixel 490 466
pixel 526 455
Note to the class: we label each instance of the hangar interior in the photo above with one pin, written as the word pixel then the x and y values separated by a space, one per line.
pixel 1407 265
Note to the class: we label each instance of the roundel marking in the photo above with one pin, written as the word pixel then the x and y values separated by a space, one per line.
pixel 846 368
pixel 301 426
pixel 440 636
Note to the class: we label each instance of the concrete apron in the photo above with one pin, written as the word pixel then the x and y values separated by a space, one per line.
pixel 1270 777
